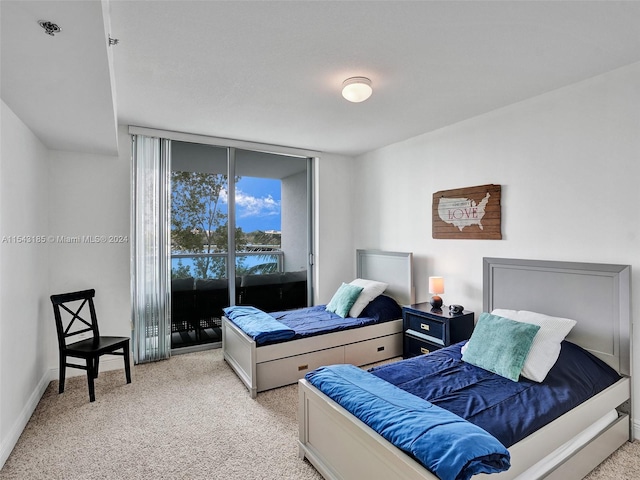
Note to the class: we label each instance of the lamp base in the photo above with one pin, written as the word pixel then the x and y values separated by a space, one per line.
pixel 436 302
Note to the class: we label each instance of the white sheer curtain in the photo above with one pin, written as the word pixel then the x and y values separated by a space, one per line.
pixel 150 249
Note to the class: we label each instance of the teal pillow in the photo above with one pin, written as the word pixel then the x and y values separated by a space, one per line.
pixel 500 345
pixel 343 299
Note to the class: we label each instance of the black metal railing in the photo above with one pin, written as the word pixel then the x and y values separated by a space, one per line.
pixel 197 298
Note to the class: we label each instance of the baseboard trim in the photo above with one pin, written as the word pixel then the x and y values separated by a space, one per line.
pixel 21 422
pixel 196 348
pixel 635 427
pixel 106 364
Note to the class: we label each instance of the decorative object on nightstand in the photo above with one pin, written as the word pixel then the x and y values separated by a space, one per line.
pixel 426 330
pixel 456 309
pixel 436 287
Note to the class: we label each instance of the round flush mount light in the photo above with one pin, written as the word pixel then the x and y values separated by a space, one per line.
pixel 357 89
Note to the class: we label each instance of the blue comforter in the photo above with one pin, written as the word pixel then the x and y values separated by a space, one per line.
pixel 446 444
pixel 508 410
pixel 276 327
pixel 259 325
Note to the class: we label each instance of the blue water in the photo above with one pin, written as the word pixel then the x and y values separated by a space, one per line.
pixel 246 263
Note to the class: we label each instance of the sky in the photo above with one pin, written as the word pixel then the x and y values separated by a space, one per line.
pixel 258 204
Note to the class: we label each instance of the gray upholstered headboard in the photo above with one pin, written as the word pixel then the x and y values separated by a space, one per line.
pixel 597 296
pixel 393 268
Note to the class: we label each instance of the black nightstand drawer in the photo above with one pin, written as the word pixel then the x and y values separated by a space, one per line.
pixel 426 326
pixel 426 329
pixel 418 346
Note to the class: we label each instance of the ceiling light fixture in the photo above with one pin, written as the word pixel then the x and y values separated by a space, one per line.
pixel 356 89
pixel 50 28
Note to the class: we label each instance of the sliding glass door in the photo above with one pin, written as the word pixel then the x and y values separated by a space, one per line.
pixel 271 218
pixel 263 214
pixel 199 219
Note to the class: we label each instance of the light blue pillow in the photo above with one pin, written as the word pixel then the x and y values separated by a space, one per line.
pixel 343 299
pixel 500 345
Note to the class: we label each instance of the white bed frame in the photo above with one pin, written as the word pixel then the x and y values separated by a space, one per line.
pixel 265 367
pixel 342 447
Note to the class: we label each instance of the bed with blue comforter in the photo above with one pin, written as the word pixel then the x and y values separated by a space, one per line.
pixel 443 442
pixel 268 328
pixel 558 401
pixel 455 418
pixel 270 350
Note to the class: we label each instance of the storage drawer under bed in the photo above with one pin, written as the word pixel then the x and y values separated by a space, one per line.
pixel 374 350
pixel 285 371
pixel 288 370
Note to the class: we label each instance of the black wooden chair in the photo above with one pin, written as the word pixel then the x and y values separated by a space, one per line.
pixel 89 349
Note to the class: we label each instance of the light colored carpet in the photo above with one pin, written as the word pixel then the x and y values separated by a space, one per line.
pixel 185 418
pixel 623 464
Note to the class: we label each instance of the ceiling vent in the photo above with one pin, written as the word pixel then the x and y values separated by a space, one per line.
pixel 50 28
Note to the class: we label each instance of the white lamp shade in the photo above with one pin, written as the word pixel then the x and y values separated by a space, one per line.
pixel 436 285
pixel 357 89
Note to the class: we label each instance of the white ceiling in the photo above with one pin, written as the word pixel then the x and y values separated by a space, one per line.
pixel 271 71
pixel 60 86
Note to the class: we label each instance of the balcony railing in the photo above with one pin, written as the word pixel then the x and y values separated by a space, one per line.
pixel 197 298
pixel 257 261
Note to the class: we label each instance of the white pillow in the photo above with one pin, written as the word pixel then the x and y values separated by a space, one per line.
pixel 545 348
pixel 371 289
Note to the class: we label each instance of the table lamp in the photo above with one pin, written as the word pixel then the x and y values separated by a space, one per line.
pixel 436 287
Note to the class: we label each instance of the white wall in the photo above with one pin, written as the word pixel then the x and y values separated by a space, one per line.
pixel 569 166
pixel 90 197
pixel 26 324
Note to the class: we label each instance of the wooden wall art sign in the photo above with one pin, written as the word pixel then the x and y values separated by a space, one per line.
pixel 467 213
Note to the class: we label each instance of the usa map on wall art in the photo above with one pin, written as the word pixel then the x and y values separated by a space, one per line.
pixel 467 213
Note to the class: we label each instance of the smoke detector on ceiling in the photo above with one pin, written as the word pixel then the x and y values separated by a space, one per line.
pixel 50 28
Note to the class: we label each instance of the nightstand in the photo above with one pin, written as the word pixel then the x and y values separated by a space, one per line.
pixel 426 331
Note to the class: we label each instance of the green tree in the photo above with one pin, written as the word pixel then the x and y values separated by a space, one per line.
pixel 181 271
pixel 199 221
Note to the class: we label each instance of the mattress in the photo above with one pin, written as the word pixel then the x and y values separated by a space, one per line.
pixel 508 410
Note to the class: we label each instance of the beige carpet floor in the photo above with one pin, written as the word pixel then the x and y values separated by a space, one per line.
pixel 185 418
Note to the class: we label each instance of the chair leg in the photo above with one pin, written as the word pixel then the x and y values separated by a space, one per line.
pixel 62 367
pixel 96 366
pixel 90 378
pixel 127 361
